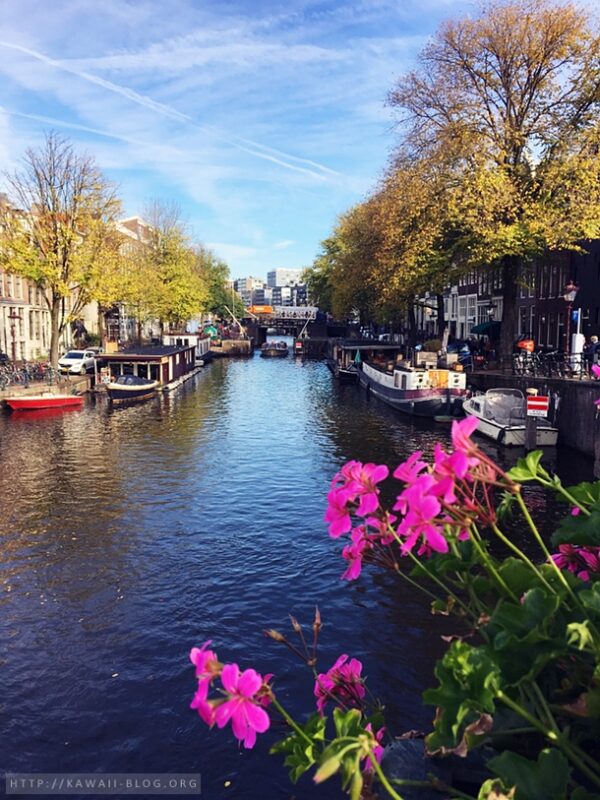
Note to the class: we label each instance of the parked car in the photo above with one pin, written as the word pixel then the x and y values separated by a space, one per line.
pixel 77 362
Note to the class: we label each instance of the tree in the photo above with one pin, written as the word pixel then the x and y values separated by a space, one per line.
pixel 512 96
pixel 170 262
pixel 215 274
pixel 63 237
pixel 318 277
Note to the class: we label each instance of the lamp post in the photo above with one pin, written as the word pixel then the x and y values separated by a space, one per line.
pixel 13 317
pixel 569 296
pixel 490 308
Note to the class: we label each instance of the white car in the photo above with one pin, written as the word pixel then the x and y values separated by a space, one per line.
pixel 77 361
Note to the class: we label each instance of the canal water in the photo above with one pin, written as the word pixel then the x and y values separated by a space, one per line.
pixel 129 535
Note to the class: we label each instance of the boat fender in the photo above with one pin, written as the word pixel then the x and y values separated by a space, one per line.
pixel 500 438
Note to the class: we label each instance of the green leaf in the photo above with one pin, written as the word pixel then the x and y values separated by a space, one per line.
pixel 580 636
pixel 527 635
pixel 582 529
pixel 493 789
pixel 591 598
pixel 468 684
pixel 517 575
pixel 347 723
pixel 583 794
pixel 544 779
pixel 526 468
pixel 300 756
pixel 585 493
pixel 506 506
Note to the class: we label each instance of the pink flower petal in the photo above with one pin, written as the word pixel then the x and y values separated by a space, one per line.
pixel 249 683
pixel 230 677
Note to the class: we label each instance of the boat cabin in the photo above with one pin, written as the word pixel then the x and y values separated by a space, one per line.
pixel 201 342
pixel 162 363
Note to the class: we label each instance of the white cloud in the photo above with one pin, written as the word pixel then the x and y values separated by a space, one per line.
pixel 284 244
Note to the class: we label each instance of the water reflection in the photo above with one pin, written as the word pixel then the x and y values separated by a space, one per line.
pixel 129 534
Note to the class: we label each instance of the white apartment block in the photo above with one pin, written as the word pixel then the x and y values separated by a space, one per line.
pixel 284 277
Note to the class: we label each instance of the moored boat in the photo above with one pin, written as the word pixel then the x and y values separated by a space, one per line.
pixel 34 402
pixel 502 416
pixel 274 350
pixel 413 390
pixel 130 387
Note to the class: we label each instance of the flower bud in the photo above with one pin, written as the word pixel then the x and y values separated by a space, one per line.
pixel 273 634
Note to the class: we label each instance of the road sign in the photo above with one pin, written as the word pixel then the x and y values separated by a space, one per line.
pixel 537 406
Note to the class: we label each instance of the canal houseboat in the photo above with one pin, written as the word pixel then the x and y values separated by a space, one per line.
pixel 200 340
pixel 502 416
pixel 127 388
pixel 274 350
pixel 165 365
pixel 419 390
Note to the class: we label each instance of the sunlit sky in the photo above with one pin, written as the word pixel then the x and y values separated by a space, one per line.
pixel 263 120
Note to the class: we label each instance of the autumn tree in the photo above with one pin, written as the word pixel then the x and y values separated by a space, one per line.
pixel 318 277
pixel 515 90
pixel 215 275
pixel 61 235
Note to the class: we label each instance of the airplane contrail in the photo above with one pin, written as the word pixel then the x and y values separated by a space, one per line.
pixel 246 145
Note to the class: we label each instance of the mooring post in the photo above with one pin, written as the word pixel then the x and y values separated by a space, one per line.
pixel 530 423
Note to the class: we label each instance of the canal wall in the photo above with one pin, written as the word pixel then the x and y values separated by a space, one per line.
pixel 572 407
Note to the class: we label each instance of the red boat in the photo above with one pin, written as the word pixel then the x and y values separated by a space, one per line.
pixel 35 402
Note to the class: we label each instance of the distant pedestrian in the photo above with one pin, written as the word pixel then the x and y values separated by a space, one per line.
pixel 591 351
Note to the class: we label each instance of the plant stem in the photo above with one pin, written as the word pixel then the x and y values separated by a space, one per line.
pixel 548 484
pixel 290 721
pixel 554 737
pixel 383 779
pixel 489 564
pixel 512 546
pixel 544 549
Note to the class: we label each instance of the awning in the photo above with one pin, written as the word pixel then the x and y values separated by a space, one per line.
pixel 490 328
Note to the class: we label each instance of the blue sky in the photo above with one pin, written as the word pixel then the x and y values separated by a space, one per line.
pixel 263 120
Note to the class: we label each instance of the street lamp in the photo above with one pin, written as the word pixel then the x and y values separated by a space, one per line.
pixel 489 310
pixel 569 296
pixel 13 317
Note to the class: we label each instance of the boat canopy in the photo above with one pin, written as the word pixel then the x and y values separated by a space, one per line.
pixel 506 406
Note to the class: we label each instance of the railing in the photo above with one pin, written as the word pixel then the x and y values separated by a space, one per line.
pixel 552 365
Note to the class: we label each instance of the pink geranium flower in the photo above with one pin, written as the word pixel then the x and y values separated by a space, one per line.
pixel 337 514
pixel 382 526
pixel 578 559
pixel 378 750
pixel 247 717
pixel 365 478
pixel 354 553
pixel 410 469
pixel 342 682
pixel 461 433
pixel 207 668
pixel 421 508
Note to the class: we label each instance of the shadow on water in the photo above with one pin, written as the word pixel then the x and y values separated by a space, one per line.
pixel 129 535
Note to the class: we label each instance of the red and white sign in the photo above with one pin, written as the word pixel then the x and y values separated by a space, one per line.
pixel 538 406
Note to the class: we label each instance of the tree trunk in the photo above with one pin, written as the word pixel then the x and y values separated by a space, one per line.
pixel 102 325
pixel 55 330
pixel 510 312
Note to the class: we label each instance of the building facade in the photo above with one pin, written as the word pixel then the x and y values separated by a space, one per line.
pixel 283 277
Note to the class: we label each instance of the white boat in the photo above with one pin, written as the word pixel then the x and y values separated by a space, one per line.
pixel 415 390
pixel 501 415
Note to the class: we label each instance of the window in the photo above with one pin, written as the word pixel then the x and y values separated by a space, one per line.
pixel 523 319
